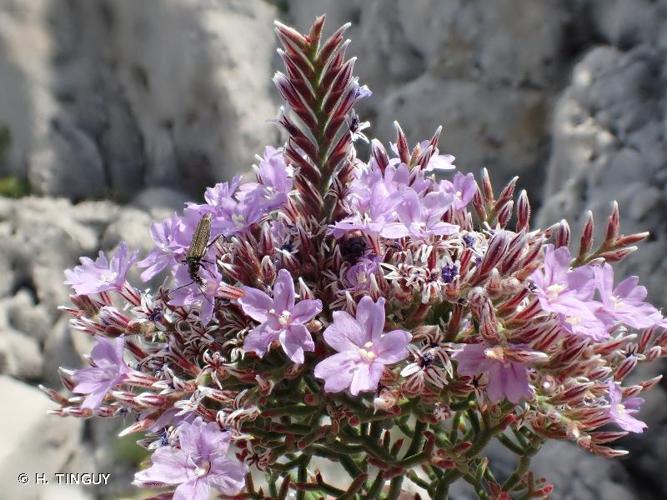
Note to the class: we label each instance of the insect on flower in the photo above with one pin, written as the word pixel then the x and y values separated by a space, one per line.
pixel 198 247
pixel 194 258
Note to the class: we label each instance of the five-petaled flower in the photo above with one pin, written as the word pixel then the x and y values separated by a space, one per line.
pixel 108 370
pixel 625 302
pixel 281 319
pixel 506 379
pixel 621 412
pixel 569 293
pixel 363 350
pixel 197 465
pixel 101 274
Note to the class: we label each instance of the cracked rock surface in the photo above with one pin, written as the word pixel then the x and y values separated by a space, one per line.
pixel 115 112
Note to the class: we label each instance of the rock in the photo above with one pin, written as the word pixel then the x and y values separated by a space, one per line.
pixel 459 64
pixel 626 23
pixel 61 492
pixel 26 104
pixel 66 162
pixel 46 239
pixel 132 226
pixel 32 441
pixel 646 463
pixel 20 355
pixel 506 134
pixel 578 475
pixel 94 107
pixel 160 202
pixel 607 147
pixel 63 348
pixel 27 317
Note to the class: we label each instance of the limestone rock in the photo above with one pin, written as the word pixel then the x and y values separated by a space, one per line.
pixel 483 72
pixel 506 134
pixel 27 317
pixel 94 107
pixel 20 355
pixel 32 441
pixel 608 145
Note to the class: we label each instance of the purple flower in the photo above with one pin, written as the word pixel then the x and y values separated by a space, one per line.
pixel 361 91
pixel 449 272
pixel 420 218
pixel 462 188
pixel 363 350
pixel 507 379
pixel 231 215
pixel 280 319
pixel 569 293
pixel 578 317
pixel 108 370
pixel 358 275
pixel 440 162
pixel 172 416
pixel 374 196
pixel 621 412
pixel 197 465
pixel 192 294
pixel 556 280
pixel 102 274
pixel 275 181
pixel 625 303
pixel 171 243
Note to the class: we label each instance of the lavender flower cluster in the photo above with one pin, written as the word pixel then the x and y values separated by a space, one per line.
pixel 390 316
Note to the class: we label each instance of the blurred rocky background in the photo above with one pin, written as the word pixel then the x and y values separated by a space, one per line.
pixel 113 112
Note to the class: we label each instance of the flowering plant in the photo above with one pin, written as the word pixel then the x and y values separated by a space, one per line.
pixel 385 317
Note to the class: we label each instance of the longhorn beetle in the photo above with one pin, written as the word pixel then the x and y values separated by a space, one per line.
pixel 198 246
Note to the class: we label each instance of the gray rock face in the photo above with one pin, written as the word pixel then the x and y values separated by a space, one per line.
pixel 107 97
pixel 578 475
pixel 608 144
pixel 485 73
pixel 32 441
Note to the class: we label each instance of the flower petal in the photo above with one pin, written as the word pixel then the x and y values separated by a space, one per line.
pixel 366 377
pixel 259 340
pixel 283 292
pixel 227 476
pixel 195 489
pixel 392 346
pixel 295 340
pixel 345 333
pixel 337 371
pixel 306 310
pixel 169 466
pixel 256 303
pixel 370 315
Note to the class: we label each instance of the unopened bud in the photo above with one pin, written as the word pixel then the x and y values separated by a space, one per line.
pixel 586 242
pixel 522 211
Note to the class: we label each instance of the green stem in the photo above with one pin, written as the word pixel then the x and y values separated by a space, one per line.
pixel 302 475
pixel 519 471
pixel 395 487
pixel 417 438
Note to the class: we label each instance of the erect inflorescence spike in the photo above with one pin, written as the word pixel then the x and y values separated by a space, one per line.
pixel 320 90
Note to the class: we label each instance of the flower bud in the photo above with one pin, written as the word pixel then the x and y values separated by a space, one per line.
pixel 522 211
